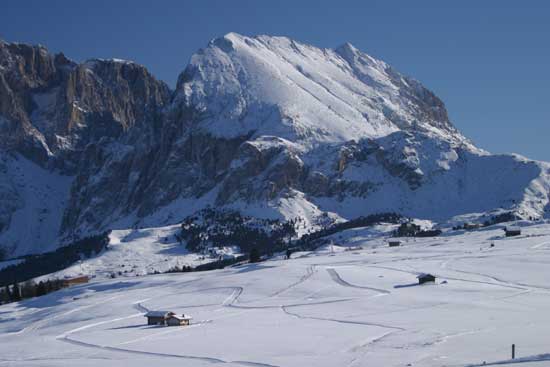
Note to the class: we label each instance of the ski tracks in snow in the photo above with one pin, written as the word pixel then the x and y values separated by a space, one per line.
pixel 66 337
pixel 163 355
pixel 309 273
pixel 229 301
pixel 529 359
pixel 44 321
pixel 352 322
pixel 338 279
pixel 391 329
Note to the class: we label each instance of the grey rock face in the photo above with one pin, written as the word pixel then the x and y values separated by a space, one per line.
pixel 9 197
pixel 68 117
pixel 55 107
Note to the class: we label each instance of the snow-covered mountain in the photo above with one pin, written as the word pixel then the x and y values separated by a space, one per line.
pixel 266 125
pixel 276 86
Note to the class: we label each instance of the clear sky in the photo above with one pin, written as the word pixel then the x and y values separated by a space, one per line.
pixel 488 60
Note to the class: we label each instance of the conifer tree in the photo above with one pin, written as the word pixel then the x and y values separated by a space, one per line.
pixel 254 255
pixel 16 292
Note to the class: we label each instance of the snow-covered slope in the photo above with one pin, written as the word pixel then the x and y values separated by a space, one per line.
pixel 266 125
pixel 280 87
pixel 331 308
pixel 33 203
pixel 138 252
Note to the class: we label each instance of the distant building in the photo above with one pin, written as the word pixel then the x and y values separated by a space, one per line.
pixel 158 317
pixel 394 243
pixel 175 320
pixel 470 226
pixel 512 231
pixel 76 280
pixel 424 278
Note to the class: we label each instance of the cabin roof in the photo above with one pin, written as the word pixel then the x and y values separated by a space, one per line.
pixel 512 228
pixel 424 275
pixel 158 314
pixel 181 318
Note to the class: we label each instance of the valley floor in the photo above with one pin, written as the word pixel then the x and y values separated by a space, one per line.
pixel 333 307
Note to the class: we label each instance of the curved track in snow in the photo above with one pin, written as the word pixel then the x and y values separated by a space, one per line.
pixel 338 279
pixel 310 270
pixel 229 301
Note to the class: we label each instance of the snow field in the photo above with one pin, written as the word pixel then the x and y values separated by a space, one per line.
pixel 341 308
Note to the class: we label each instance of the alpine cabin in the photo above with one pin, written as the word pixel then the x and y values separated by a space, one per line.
pixel 76 280
pixel 158 317
pixel 394 243
pixel 471 226
pixel 512 231
pixel 175 320
pixel 425 278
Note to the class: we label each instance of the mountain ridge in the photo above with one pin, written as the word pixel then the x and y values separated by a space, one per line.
pixel 265 125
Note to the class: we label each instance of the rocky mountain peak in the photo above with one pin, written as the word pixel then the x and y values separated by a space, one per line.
pixel 53 105
pixel 277 86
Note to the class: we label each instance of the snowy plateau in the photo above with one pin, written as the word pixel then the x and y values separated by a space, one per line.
pixel 274 130
pixel 357 304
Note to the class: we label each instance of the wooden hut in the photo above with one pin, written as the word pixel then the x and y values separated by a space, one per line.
pixel 76 280
pixel 512 231
pixel 158 317
pixel 394 243
pixel 424 278
pixel 471 226
pixel 175 320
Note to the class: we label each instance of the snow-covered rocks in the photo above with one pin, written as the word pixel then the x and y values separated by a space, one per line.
pixel 265 125
pixel 277 86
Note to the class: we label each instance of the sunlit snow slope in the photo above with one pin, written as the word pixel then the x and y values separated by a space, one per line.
pixel 277 86
pixel 334 307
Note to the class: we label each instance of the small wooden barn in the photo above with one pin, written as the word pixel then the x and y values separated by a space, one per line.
pixel 425 278
pixel 175 320
pixel 76 280
pixel 472 226
pixel 158 317
pixel 394 243
pixel 512 231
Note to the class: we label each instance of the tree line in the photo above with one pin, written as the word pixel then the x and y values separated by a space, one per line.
pixel 220 228
pixel 34 266
pixel 29 289
pixel 310 240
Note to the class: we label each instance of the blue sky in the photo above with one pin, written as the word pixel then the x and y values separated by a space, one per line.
pixel 488 60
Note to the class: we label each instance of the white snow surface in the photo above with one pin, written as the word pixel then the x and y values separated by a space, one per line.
pixel 278 86
pixel 137 252
pixel 40 197
pixel 356 306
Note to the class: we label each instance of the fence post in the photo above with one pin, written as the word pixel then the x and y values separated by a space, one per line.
pixel 513 351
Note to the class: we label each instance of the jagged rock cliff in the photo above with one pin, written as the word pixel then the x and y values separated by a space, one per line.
pixel 265 125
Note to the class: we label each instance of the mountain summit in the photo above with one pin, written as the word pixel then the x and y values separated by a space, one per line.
pixel 277 86
pixel 264 125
